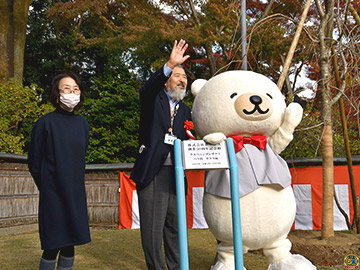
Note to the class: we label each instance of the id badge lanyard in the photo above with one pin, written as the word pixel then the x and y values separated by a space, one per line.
pixel 173 113
pixel 170 137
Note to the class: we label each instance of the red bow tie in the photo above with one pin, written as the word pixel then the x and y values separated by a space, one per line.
pixel 258 141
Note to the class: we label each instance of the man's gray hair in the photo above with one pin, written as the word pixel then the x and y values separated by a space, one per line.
pixel 180 66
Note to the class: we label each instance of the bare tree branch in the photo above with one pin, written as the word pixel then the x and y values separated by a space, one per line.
pixel 355 14
pixel 293 45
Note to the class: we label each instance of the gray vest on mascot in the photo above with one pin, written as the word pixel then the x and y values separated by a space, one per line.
pixel 256 167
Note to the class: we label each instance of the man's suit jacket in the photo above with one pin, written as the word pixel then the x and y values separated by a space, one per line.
pixel 154 124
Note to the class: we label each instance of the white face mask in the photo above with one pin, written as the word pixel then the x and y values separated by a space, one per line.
pixel 69 100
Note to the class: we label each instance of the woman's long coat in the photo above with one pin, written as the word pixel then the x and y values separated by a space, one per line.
pixel 57 163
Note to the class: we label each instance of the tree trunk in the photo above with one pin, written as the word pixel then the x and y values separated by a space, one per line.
pixel 207 45
pixel 325 37
pixel 211 58
pixel 327 221
pixel 267 10
pixel 13 22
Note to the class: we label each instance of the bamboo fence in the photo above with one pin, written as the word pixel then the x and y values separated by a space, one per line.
pixel 19 196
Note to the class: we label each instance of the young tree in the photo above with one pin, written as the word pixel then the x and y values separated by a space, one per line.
pixel 326 13
pixel 335 31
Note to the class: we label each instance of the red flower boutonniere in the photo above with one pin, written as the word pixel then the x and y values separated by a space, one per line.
pixel 188 125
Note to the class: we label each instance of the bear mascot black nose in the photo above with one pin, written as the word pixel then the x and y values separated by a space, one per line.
pixel 255 100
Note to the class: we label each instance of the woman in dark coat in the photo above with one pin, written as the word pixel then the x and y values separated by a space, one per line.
pixel 57 164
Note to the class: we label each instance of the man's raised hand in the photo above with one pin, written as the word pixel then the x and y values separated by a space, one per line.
pixel 177 54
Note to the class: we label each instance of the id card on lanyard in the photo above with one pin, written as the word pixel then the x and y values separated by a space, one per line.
pixel 170 137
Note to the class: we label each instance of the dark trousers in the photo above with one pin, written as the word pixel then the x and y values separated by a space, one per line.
pixel 158 221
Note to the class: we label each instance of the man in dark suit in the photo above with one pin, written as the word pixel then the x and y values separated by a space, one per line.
pixel 162 119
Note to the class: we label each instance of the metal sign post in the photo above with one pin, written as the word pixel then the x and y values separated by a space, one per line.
pixel 235 206
pixel 181 206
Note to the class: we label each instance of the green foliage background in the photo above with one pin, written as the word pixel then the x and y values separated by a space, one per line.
pixel 112 109
pixel 115 45
pixel 19 109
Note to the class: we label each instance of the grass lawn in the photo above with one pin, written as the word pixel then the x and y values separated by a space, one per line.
pixel 115 249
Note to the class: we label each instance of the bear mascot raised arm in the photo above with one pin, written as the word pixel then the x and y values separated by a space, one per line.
pixel 250 108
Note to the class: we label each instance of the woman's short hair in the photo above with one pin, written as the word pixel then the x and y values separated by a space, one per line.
pixel 54 95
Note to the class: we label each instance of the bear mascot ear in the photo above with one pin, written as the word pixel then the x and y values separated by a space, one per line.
pixel 197 85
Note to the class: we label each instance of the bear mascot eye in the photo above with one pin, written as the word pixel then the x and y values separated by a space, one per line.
pixel 233 95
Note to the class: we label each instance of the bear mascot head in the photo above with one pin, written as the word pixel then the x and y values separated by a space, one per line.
pixel 249 108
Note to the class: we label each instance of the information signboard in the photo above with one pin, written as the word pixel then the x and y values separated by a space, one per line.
pixel 198 155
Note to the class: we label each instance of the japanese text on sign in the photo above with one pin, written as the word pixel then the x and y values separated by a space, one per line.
pixel 199 155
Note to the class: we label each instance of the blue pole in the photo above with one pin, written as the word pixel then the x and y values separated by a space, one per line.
pixel 235 206
pixel 181 208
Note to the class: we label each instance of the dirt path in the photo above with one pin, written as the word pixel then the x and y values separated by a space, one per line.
pixel 327 252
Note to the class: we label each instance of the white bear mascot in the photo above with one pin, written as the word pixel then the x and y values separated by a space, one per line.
pixel 250 108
